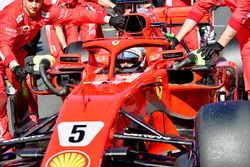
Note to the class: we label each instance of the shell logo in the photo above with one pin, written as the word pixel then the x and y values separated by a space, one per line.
pixel 70 158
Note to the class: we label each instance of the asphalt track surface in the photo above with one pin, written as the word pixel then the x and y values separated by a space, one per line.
pixel 51 104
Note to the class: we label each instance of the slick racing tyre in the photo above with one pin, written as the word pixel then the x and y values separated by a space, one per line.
pixel 222 135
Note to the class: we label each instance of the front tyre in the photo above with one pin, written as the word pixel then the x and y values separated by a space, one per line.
pixel 222 134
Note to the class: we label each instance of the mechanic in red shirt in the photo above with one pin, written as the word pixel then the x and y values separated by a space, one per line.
pixel 238 24
pixel 19 23
pixel 70 33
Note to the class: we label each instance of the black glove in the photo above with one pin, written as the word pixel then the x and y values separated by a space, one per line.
pixel 208 51
pixel 20 73
pixel 174 43
pixel 119 9
pixel 118 21
pixel 66 50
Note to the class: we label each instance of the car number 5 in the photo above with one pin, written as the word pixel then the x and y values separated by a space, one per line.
pixel 77 133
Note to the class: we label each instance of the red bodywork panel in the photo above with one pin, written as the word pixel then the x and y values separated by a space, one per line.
pixel 90 114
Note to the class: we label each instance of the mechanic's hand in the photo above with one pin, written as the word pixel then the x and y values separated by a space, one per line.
pixel 174 42
pixel 118 21
pixel 119 9
pixel 66 50
pixel 208 51
pixel 20 73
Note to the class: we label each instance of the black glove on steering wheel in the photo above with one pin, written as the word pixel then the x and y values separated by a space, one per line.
pixel 118 21
pixel 19 72
pixel 208 51
pixel 119 9
pixel 174 42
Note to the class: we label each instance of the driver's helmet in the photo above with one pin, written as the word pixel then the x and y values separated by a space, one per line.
pixel 131 60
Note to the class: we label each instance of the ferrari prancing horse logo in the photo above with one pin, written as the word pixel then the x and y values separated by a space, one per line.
pixel 115 42
pixel 159 88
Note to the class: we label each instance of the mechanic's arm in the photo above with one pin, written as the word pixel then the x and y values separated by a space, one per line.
pixel 8 33
pixel 6 53
pixel 119 9
pixel 79 16
pixel 10 61
pixel 227 35
pixel 188 25
pixel 106 3
pixel 60 37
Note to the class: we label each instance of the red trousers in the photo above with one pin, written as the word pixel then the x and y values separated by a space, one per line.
pixel 243 37
pixel 4 130
pixel 87 31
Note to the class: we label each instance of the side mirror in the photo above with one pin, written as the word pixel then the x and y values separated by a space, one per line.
pixel 35 82
pixel 32 63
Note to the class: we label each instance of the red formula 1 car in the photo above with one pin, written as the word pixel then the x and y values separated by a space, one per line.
pixel 130 101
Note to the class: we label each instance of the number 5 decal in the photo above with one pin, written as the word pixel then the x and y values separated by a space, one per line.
pixel 78 133
pixel 77 130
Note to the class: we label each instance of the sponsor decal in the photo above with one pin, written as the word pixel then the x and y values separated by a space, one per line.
pixel 2 56
pixel 115 42
pixel 91 30
pixel 126 78
pixel 54 2
pixel 10 31
pixel 69 158
pixel 89 7
pixel 78 134
pixel 24 29
pixel 21 139
pixel 118 80
pixel 168 2
pixel 21 30
pixel 154 57
pixel 146 136
pixel 19 18
pixel 247 18
pixel 62 14
pixel 45 14
pixel 159 88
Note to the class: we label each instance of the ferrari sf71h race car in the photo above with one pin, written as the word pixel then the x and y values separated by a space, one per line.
pixel 130 101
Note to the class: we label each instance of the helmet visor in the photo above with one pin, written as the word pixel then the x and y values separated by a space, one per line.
pixel 128 59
